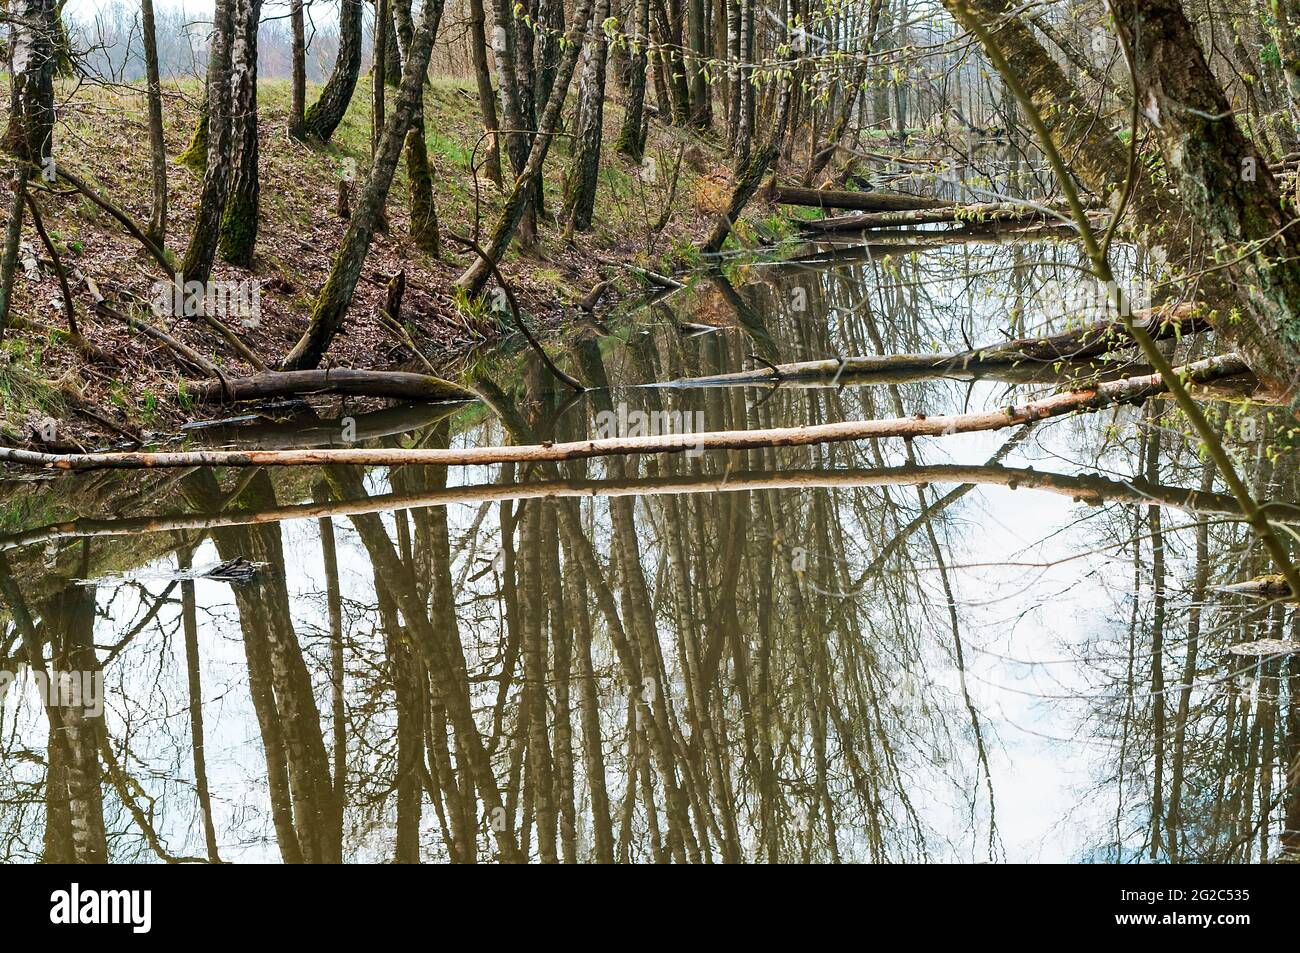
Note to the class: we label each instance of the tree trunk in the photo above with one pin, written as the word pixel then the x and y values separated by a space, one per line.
pixel 336 297
pixel 745 87
pixel 580 196
pixel 671 19
pixel 1223 181
pixel 378 71
pixel 475 277
pixel 303 796
pixel 486 100
pixel 197 264
pixel 298 83
pixel 393 61
pixel 30 134
pixel 750 176
pixel 631 134
pixel 190 624
pixel 1285 29
pixel 1110 393
pixel 70 621
pixel 157 230
pixel 240 220
pixel 701 104
pixel 550 21
pixel 504 40
pixel 327 112
pixel 425 234
pixel 9 256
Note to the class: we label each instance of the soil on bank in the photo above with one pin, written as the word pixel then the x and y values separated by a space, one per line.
pixel 103 136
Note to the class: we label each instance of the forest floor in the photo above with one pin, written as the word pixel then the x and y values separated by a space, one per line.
pixel 103 136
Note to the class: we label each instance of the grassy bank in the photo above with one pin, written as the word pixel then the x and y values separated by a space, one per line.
pixel 103 136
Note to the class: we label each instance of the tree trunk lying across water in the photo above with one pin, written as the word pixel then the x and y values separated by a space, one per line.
pixel 1130 390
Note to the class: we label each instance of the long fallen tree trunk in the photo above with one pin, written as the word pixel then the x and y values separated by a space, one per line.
pixel 400 385
pixel 856 201
pixel 1129 390
pixel 1089 489
pixel 1003 213
pixel 1030 354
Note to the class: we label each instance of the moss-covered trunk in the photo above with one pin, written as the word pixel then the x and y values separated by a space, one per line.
pixel 197 264
pixel 327 112
pixel 419 170
pixel 631 134
pixel 475 277
pixel 336 297
pixel 1223 182
pixel 751 174
pixel 580 196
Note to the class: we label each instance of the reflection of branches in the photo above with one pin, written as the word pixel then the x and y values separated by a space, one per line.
pixel 1092 490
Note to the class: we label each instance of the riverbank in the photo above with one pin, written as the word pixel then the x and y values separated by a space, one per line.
pixel 57 395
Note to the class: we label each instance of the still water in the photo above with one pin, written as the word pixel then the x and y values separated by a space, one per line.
pixel 1009 646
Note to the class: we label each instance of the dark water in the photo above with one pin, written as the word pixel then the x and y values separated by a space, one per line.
pixel 979 647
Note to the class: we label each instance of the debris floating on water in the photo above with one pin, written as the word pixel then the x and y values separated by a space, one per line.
pixel 237 570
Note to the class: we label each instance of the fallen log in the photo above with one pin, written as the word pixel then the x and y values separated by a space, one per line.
pixel 856 201
pixel 989 213
pixel 398 385
pixel 1032 353
pixel 1129 390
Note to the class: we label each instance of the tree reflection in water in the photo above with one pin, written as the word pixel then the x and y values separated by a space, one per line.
pixel 989 647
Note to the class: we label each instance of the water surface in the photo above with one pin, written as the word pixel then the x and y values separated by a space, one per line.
pixel 1000 646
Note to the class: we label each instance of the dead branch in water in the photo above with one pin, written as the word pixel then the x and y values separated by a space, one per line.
pixel 1031 354
pixel 990 213
pixel 1129 390
pixel 650 277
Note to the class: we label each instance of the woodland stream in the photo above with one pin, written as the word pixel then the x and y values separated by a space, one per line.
pixel 1012 645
